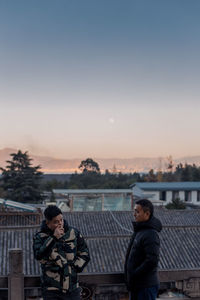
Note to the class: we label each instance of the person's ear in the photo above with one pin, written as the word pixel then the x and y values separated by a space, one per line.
pixel 148 214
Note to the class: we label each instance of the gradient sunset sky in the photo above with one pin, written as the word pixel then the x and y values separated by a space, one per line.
pixel 100 78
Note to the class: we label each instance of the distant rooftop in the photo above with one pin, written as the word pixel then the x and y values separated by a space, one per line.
pixel 92 191
pixel 176 186
pixel 17 205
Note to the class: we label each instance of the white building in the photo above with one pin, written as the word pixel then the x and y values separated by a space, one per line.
pixel 165 192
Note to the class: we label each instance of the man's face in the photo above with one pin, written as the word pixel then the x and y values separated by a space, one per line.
pixel 139 214
pixel 55 222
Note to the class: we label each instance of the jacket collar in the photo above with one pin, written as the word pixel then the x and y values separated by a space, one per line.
pixel 152 223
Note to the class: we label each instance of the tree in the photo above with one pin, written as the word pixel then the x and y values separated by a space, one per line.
pixel 20 180
pixel 89 165
pixel 170 164
pixel 151 176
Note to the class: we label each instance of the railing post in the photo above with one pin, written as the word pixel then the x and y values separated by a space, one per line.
pixel 71 203
pixel 132 202
pixel 15 276
pixel 102 203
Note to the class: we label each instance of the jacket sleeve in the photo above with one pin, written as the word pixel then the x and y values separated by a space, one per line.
pixel 151 245
pixel 42 247
pixel 82 255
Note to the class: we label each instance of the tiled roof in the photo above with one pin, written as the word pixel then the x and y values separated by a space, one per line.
pixel 105 222
pixel 178 217
pixel 19 218
pixel 18 238
pixel 108 236
pixel 166 186
pixel 120 222
pixel 179 250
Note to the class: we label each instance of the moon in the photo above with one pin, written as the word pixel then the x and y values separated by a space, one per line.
pixel 111 120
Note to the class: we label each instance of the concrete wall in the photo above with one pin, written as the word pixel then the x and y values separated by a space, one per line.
pixel 194 197
pixel 182 195
pixel 168 197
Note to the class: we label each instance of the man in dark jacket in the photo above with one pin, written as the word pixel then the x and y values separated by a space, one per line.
pixel 62 253
pixel 143 253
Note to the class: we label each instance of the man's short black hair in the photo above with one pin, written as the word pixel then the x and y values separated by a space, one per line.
pixel 146 206
pixel 52 211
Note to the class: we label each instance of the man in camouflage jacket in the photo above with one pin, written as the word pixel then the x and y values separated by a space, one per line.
pixel 62 253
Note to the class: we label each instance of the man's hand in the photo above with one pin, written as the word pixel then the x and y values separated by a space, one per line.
pixel 58 232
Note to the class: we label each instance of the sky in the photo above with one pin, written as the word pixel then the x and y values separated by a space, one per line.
pixel 99 78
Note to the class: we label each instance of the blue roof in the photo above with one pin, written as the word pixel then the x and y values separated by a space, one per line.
pixel 166 186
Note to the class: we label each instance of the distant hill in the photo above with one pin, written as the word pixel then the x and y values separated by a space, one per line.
pixel 48 164
pixel 138 164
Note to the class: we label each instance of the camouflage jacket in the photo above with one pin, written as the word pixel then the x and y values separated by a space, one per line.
pixel 60 259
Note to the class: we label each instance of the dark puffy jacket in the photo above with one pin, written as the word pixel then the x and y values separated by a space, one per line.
pixel 143 255
pixel 61 259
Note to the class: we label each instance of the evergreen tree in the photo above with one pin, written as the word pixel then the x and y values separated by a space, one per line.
pixel 20 180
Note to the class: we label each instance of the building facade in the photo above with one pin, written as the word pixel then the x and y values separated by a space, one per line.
pixel 162 193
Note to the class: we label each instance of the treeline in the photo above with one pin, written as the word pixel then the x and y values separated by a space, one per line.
pixel 102 181
pixel 182 172
pixel 95 180
pixel 54 181
pixel 21 181
pixel 92 180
